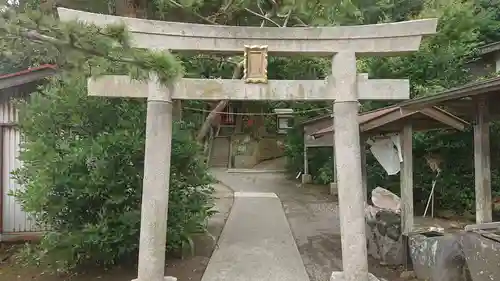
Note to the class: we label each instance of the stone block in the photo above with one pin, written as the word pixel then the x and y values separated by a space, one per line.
pixel 306 178
pixel 339 276
pixel 482 255
pixel 333 189
pixel 483 226
pixel 438 257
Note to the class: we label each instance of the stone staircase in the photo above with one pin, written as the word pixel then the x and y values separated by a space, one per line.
pixel 219 155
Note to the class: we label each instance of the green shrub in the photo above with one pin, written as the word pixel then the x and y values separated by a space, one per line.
pixel 320 158
pixel 83 168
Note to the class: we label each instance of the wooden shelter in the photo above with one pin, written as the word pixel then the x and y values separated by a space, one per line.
pixel 15 224
pixel 478 103
pixel 383 122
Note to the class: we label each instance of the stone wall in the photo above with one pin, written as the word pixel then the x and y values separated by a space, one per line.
pixel 248 152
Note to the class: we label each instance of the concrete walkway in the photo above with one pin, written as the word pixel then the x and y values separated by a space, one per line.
pixel 313 217
pixel 256 243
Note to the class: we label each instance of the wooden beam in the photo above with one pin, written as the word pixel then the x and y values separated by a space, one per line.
pixel 482 172
pixel 445 118
pixel 364 175
pixel 306 160
pixel 406 175
pixel 383 120
pixel 469 90
pixel 232 89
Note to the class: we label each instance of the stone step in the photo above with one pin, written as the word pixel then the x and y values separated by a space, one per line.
pixel 219 156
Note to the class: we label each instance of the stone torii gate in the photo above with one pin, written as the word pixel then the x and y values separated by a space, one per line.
pixel 344 87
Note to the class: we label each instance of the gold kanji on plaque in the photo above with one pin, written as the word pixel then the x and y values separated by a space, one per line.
pixel 255 64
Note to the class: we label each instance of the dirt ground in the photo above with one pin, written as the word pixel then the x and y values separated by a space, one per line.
pixel 187 269
pixel 311 212
pixel 314 220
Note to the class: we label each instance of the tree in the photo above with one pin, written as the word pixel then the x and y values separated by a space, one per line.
pixel 82 172
pixel 83 156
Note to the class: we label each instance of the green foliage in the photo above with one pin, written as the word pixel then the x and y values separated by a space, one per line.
pixel 441 63
pixel 83 168
pixel 76 45
pixel 320 159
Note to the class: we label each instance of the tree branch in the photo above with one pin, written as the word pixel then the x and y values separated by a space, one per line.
pixel 37 37
pixel 264 17
pixel 219 59
pixel 301 22
pixel 179 5
pixel 287 18
pixel 219 107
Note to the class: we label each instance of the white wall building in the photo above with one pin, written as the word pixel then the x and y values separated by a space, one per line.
pixel 15 224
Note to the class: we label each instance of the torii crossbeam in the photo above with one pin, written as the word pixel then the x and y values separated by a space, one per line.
pixel 345 88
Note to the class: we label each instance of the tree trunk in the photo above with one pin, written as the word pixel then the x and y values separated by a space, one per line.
pixel 220 106
pixel 208 122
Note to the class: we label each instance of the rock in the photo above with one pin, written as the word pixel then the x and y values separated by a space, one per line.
pixel 389 224
pixel 384 228
pixel 438 257
pixel 482 252
pixel 384 199
pixel 385 242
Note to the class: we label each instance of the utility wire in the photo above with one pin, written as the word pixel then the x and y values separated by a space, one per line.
pixel 258 114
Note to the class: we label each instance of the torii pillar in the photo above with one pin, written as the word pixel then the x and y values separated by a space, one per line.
pixel 349 174
pixel 345 87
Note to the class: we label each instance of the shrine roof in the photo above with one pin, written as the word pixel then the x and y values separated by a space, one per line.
pixel 26 76
pixel 489 48
pixel 461 100
pixel 392 119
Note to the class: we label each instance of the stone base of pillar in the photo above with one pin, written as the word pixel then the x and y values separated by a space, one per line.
pixel 306 178
pixel 333 189
pixel 339 276
pixel 166 278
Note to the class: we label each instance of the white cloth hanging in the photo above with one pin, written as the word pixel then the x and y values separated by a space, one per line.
pixel 397 142
pixel 387 151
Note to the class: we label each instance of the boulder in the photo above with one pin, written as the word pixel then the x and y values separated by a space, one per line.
pixel 384 199
pixel 438 257
pixel 383 220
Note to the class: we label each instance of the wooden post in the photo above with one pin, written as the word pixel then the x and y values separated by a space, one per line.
pixel 406 179
pixel 482 172
pixel 334 172
pixel 306 161
pixel 306 177
pixel 364 175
